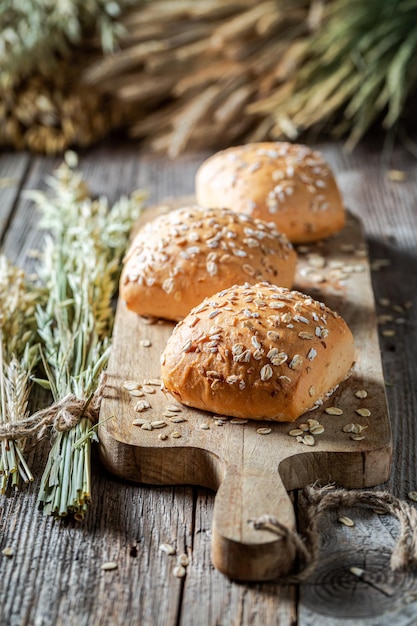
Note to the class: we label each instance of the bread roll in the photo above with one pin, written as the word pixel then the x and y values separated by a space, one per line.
pixel 288 184
pixel 181 257
pixel 258 352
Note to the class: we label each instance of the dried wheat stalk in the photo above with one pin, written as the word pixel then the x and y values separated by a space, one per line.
pixel 186 72
pixel 204 74
pixel 181 77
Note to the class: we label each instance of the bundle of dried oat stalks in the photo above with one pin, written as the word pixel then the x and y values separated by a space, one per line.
pixel 202 74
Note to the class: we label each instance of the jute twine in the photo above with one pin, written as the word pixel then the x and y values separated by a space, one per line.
pixel 315 501
pixel 62 415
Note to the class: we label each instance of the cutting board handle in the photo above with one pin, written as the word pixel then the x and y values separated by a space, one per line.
pixel 239 550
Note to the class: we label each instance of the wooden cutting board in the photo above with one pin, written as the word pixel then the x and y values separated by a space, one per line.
pixel 252 472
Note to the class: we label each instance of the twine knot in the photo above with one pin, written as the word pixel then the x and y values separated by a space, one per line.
pixel 62 415
pixel 317 500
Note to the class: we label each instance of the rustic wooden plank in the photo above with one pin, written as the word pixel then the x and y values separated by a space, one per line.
pixel 23 234
pixel 13 170
pixel 54 576
pixel 211 598
pixel 70 588
pixel 333 595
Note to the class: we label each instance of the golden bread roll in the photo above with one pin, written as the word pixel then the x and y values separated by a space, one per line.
pixel 289 184
pixel 181 257
pixel 258 352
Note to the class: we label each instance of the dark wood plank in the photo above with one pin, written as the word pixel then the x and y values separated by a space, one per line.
pixel 55 574
pixel 212 599
pixel 388 211
pixel 13 170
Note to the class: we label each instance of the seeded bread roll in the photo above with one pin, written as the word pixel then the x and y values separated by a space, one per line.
pixel 289 184
pixel 181 257
pixel 258 352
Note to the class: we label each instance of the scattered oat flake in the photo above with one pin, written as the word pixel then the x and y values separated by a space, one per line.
pixel 130 385
pixel 348 428
pixel 363 412
pixel 385 319
pixel 358 428
pixel 380 511
pixel 142 405
pixel 357 437
pixel 361 393
pixel 7 552
pixel 317 430
pixel 163 436
pixel 333 410
pixel 309 440
pixel 238 420
pixel 264 431
pixel 183 560
pixel 384 301
pixel 178 420
pixel 174 408
pixel 146 343
pixel 167 548
pixel 179 571
pixel 357 571
pixel 316 260
pixel 110 565
pixel 304 427
pixel 176 434
pixel 148 389
pixel 412 495
pixel 156 382
pixel 295 432
pixel 312 422
pixel 204 426
pixel 137 393
pixel 397 176
pixel 388 332
pixel 139 422
pixel 158 424
pixel 146 426
pixel 377 264
pixel 346 521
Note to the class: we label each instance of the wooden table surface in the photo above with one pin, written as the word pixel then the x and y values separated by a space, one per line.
pixel 55 576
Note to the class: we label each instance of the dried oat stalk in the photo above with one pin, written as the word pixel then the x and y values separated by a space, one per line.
pixel 18 357
pixel 81 265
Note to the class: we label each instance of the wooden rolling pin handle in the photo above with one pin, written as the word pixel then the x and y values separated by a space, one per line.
pixel 239 550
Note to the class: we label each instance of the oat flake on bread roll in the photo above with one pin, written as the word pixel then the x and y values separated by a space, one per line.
pixel 179 258
pixel 289 184
pixel 259 352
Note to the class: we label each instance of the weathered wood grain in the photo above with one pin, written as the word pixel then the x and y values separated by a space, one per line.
pixel 55 576
pixel 388 211
pixel 13 170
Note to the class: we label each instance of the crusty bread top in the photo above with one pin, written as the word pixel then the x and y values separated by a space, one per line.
pixel 257 351
pixel 182 256
pixel 290 184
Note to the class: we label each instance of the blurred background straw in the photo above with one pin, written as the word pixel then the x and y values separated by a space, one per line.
pixel 204 74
